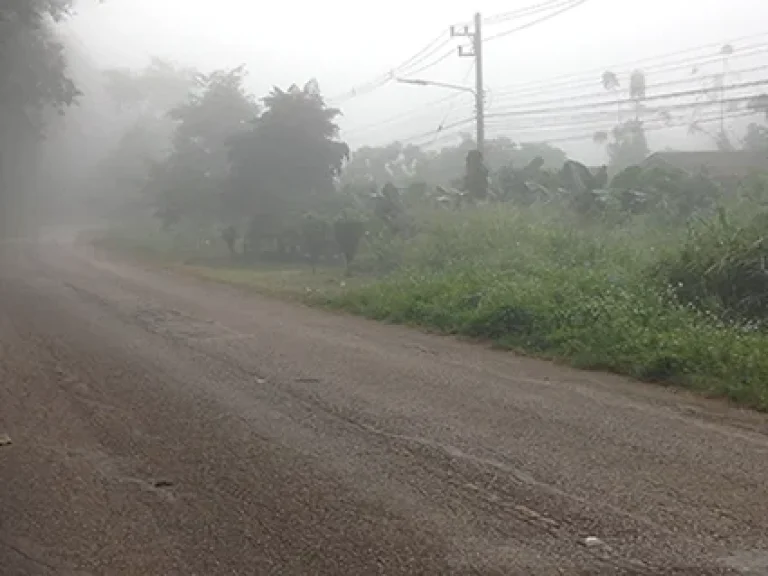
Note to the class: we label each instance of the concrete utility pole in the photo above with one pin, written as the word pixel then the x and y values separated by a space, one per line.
pixel 476 52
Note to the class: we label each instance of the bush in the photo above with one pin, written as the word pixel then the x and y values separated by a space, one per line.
pixel 721 268
pixel 533 282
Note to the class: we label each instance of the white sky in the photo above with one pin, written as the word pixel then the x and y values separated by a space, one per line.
pixel 345 43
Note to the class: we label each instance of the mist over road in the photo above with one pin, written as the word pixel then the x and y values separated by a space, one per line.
pixel 162 425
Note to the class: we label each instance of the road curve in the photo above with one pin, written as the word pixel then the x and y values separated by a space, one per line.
pixel 162 426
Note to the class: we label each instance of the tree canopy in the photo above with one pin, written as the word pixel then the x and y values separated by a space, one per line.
pixel 287 161
pixel 34 85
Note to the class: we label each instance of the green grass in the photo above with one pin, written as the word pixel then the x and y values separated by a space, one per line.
pixel 535 282
pixel 294 283
pixel 181 250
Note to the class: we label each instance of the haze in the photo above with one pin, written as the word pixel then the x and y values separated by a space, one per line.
pixel 347 43
pixel 290 288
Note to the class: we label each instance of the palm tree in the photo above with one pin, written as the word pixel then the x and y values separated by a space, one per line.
pixel 611 83
pixel 637 90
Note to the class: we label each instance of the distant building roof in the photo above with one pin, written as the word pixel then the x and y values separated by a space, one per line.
pixel 715 163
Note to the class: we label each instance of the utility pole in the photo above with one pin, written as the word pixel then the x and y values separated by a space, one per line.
pixel 476 52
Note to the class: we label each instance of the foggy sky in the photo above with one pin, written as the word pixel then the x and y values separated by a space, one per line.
pixel 345 43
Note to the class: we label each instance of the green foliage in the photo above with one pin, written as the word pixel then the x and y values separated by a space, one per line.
pixel 521 245
pixel 721 268
pixel 628 145
pixel 348 233
pixel 315 239
pixel 529 279
pixel 671 195
pixel 34 87
pixel 756 138
pixel 158 88
pixel 229 236
pixel 194 177
pixel 476 176
pixel 585 190
pixel 286 163
pixel 403 164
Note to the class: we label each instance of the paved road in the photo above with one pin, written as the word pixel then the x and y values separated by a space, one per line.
pixel 167 426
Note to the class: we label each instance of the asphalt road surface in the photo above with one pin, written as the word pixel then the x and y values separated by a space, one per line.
pixel 161 425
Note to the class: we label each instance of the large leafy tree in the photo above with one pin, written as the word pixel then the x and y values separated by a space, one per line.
pixel 287 162
pixel 159 87
pixel 34 86
pixel 192 181
pixel 756 138
pixel 138 105
pixel 404 164
pixel 626 144
pixel 376 165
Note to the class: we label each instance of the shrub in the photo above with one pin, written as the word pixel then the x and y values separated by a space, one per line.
pixel 536 283
pixel 721 268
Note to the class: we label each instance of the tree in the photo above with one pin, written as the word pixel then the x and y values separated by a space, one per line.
pixel 315 236
pixel 34 87
pixel 759 105
pixel 287 161
pixel 135 107
pixel 377 165
pixel 388 207
pixel 713 97
pixel 626 143
pixel 476 176
pixel 348 233
pixel 193 180
pixel 756 138
pixel 637 91
pixel 501 152
pixel 158 88
pixel 404 165
pixel 629 145
pixel 611 83
pixel 229 236
pixel 585 190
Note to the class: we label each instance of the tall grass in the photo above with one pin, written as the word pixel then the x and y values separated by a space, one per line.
pixel 534 281
pixel 684 307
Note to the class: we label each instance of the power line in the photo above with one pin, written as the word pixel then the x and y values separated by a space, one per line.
pixel 549 122
pixel 562 80
pixel 653 128
pixel 586 79
pixel 520 12
pixel 442 138
pixel 519 105
pixel 567 8
pixel 407 67
pixel 431 64
pixel 441 126
pixel 425 59
pixel 403 115
pixel 655 97
pixel 367 87
pixel 564 122
pixel 604 94
pixel 755 50
pixel 431 133
pixel 425 52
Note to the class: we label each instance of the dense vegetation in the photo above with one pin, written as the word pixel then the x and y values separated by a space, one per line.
pixel 656 272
